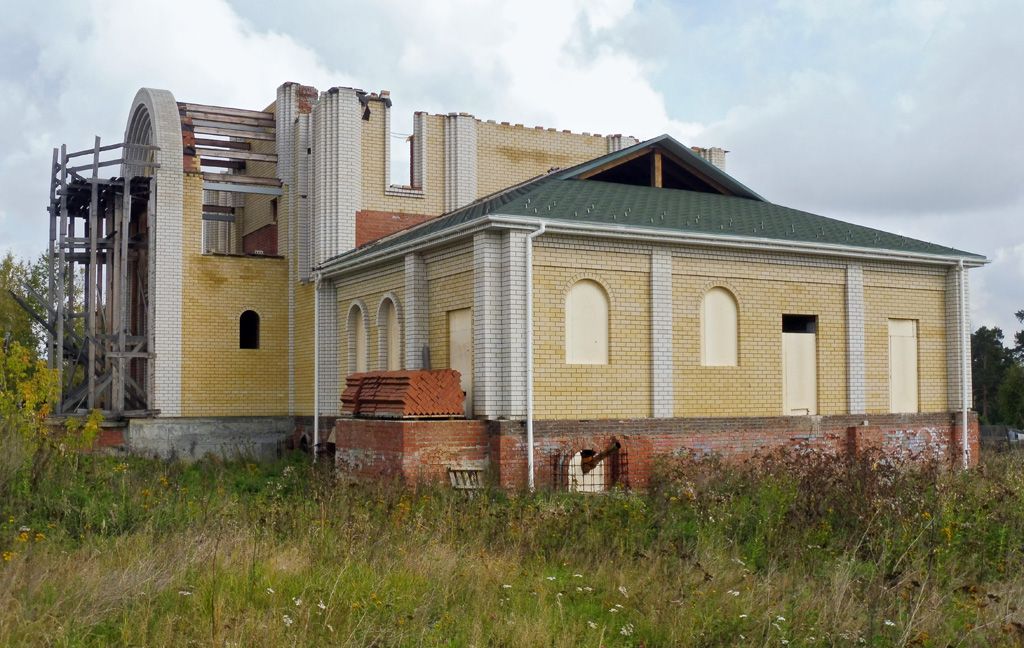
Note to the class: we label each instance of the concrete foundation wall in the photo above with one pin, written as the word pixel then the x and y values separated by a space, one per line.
pixel 255 438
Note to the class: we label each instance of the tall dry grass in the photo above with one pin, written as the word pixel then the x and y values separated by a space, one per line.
pixel 786 550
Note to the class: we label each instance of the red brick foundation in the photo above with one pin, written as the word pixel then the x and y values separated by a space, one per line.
pixel 418 450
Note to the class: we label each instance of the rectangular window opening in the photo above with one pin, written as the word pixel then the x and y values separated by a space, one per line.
pixel 799 323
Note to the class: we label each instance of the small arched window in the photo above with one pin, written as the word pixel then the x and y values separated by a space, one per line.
pixel 249 330
pixel 389 335
pixel 719 329
pixel 586 324
pixel 356 339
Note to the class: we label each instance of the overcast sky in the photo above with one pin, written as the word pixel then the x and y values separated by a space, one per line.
pixel 907 116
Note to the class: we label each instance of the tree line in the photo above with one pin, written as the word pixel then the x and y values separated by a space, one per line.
pixel 998 374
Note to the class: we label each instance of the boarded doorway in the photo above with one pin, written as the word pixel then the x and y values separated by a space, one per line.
pixel 799 365
pixel 460 350
pixel 903 365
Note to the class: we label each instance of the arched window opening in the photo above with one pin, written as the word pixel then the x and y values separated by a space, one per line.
pixel 591 470
pixel 586 324
pixel 389 335
pixel 249 330
pixel 356 340
pixel 720 329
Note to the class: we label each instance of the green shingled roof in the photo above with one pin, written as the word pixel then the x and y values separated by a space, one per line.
pixel 562 197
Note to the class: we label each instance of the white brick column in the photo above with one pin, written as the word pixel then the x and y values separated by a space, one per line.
pixel 513 265
pixel 415 310
pixel 154 119
pixel 488 327
pixel 958 338
pixel 337 172
pixel 856 390
pixel 662 383
pixel 460 177
pixel 329 370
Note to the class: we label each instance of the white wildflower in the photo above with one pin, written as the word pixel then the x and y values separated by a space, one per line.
pixel 579 589
pixel 588 589
pixel 622 590
pixel 184 593
pixel 506 587
pixel 626 630
pixel 287 620
pixel 591 624
pixel 297 601
pixel 890 623
pixel 733 593
pixel 577 575
pixel 551 578
pixel 743 616
pixel 321 605
pixel 780 618
pixel 784 642
pixel 270 590
pixel 330 627
pixel 613 610
pixel 738 561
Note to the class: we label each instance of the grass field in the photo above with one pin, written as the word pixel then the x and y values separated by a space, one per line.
pixel 794 551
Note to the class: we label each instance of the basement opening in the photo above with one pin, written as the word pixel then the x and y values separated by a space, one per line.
pixel 591 470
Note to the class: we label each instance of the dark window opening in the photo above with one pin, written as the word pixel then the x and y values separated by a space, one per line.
pixel 249 330
pixel 273 209
pixel 799 323
pixel 642 171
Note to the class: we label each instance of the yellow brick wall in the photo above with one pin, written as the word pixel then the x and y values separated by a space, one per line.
pixel 507 155
pixel 375 164
pixel 620 389
pixel 905 293
pixel 449 287
pixel 764 291
pixel 370 287
pixel 218 378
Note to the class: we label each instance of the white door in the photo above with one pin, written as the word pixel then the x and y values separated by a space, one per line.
pixel 460 350
pixel 903 366
pixel 799 374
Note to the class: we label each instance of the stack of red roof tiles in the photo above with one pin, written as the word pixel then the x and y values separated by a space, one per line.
pixel 404 394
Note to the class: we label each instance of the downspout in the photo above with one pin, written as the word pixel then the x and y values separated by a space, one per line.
pixel 316 362
pixel 964 359
pixel 529 353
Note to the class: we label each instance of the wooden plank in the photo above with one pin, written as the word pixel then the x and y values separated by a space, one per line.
pixel 242 146
pixel 236 155
pixel 237 165
pixel 218 209
pixel 108 147
pixel 224 110
pixel 228 119
pixel 220 129
pixel 240 188
pixel 240 179
pixel 105 163
pixel 92 281
pixel 656 169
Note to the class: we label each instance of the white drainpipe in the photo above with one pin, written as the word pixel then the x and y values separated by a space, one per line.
pixel 964 359
pixel 529 353
pixel 316 362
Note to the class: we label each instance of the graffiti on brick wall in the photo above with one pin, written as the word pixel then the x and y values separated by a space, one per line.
pixel 920 443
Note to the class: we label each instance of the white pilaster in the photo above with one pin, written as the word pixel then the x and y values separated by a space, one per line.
pixel 958 338
pixel 415 310
pixel 662 378
pixel 856 388
pixel 337 172
pixel 460 178
pixel 327 319
pixel 488 325
pixel 513 271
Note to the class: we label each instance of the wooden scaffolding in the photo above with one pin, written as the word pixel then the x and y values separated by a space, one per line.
pixel 95 314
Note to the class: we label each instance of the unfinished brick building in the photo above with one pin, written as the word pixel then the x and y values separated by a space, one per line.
pixel 604 298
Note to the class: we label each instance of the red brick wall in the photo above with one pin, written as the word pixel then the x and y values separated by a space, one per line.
pixel 422 450
pixel 407 450
pixel 265 239
pixel 372 225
